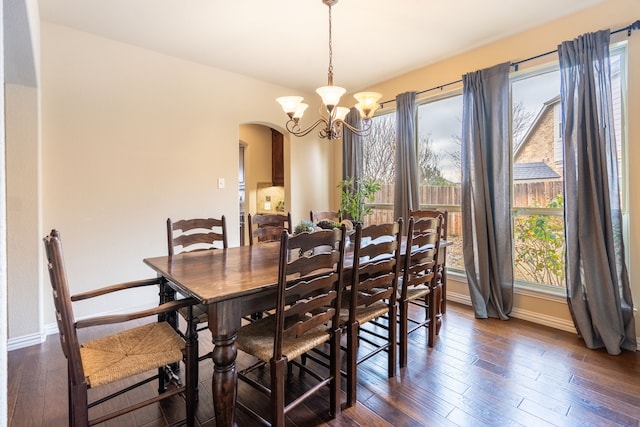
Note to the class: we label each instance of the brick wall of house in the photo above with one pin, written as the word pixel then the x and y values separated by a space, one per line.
pixel 539 146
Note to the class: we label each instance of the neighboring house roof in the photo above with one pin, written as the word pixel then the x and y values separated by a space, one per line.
pixel 533 171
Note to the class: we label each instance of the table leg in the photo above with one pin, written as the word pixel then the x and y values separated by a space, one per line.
pixel 225 379
pixel 224 322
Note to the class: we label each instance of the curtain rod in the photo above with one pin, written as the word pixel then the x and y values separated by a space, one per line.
pixel 628 29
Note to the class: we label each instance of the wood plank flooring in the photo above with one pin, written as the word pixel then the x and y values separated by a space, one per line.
pixel 480 373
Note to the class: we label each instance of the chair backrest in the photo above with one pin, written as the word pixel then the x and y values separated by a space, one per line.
pixel 376 265
pixel 309 283
pixel 317 216
pixel 196 234
pixel 433 213
pixel 62 302
pixel 421 254
pixel 267 227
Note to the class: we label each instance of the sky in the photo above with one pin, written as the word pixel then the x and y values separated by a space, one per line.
pixel 442 119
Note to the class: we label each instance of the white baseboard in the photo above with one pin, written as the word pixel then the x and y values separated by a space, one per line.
pixel 530 316
pixel 27 340
pixel 543 319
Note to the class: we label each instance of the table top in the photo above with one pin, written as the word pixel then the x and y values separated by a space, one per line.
pixel 219 274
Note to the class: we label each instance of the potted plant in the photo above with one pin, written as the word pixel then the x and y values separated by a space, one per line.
pixel 354 195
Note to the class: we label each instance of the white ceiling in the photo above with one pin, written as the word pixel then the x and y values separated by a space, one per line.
pixel 286 41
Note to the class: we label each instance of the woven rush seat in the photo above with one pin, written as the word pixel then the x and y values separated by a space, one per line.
pixel 363 313
pixel 122 355
pixel 415 292
pixel 200 313
pixel 257 339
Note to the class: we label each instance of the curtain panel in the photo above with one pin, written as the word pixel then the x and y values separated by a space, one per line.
pixel 352 160
pixel 486 178
pixel 406 194
pixel 598 289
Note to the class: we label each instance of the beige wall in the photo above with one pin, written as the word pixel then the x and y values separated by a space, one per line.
pixel 129 138
pixel 611 14
pixel 3 237
pixel 23 236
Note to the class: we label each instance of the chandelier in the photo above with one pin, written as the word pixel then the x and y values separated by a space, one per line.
pixel 332 117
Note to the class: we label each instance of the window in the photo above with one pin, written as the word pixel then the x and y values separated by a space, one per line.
pixel 537 175
pixel 439 165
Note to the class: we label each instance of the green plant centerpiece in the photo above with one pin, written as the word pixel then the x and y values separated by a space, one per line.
pixel 354 196
pixel 304 226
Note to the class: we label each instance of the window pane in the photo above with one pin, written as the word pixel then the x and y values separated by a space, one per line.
pixel 439 165
pixel 538 221
pixel 378 152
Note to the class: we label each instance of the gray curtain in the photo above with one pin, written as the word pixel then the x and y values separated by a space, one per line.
pixel 406 195
pixel 486 216
pixel 352 148
pixel 597 282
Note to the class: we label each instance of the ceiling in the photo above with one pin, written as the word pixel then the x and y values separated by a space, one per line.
pixel 286 42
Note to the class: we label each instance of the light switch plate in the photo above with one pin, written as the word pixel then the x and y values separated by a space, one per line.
pixel 220 182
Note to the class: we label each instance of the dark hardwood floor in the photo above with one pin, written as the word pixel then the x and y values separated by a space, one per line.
pixel 481 372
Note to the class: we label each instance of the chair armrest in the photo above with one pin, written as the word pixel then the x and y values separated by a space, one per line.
pixel 120 318
pixel 114 288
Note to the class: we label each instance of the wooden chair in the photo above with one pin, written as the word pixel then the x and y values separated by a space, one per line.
pixel 116 357
pixel 372 297
pixel 307 315
pixel 441 269
pixel 418 278
pixel 196 234
pixel 317 216
pixel 267 227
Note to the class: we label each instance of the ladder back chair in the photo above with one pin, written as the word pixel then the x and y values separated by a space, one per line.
pixel 441 269
pixel 307 315
pixel 111 359
pixel 196 234
pixel 267 227
pixel 418 277
pixel 317 216
pixel 372 298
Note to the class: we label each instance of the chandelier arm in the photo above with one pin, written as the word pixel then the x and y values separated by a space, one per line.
pixel 294 127
pixel 360 132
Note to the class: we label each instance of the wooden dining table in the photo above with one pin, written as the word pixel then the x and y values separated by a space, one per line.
pixel 233 282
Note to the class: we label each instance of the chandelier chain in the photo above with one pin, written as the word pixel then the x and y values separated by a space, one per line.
pixel 330 73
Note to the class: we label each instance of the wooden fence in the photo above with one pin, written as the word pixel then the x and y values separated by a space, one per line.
pixel 530 194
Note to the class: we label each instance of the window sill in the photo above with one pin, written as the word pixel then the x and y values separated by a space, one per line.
pixel 549 293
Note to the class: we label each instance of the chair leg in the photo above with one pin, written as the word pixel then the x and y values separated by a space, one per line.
pixel 432 317
pixel 352 363
pixel 277 392
pixel 191 364
pixel 391 354
pixel 78 405
pixel 443 300
pixel 335 373
pixel 404 331
pixel 438 301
